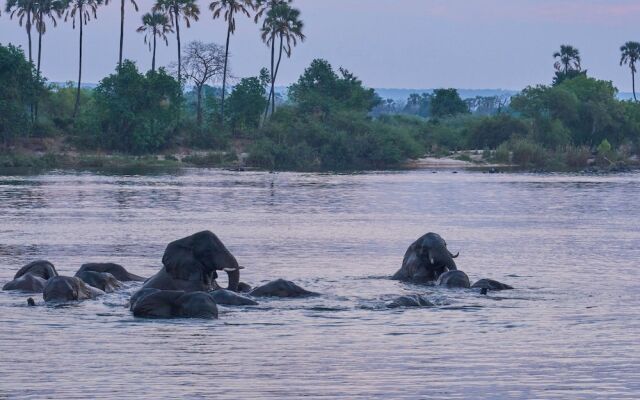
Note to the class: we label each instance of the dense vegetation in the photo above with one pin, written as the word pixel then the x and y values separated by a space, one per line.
pixel 328 120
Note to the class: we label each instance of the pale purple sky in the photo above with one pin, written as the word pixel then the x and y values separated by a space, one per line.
pixel 387 43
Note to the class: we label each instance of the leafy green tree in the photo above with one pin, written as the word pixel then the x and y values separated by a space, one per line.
pixel 418 104
pixel 490 132
pixel 19 87
pixel 135 6
pixel 23 10
pixel 282 23
pixel 230 9
pixel 82 10
pixel 447 102
pixel 155 25
pixel 630 55
pixel 188 10
pixel 134 112
pixel 246 103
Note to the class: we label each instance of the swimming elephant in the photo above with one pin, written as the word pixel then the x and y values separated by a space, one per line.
pixel 490 284
pixel 155 303
pixel 412 300
pixel 32 277
pixel 426 259
pixel 100 280
pixel 69 288
pixel 454 279
pixel 190 264
pixel 117 270
pixel 281 288
pixel 229 298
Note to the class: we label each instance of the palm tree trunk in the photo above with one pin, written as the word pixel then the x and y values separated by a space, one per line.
pixel 273 81
pixel 224 72
pixel 28 24
pixel 40 22
pixel 121 31
pixel 633 83
pixel 273 56
pixel 153 60
pixel 175 12
pixel 77 105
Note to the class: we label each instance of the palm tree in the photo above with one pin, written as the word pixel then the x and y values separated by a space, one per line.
pixel 630 55
pixel 135 6
pixel 282 23
pixel 230 8
pixel 52 9
pixel 187 9
pixel 262 6
pixel 23 10
pixel 568 59
pixel 82 10
pixel 156 25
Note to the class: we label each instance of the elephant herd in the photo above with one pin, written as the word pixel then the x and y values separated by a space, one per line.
pixel 186 287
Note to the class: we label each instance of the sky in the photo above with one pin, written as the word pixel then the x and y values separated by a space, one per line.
pixel 473 44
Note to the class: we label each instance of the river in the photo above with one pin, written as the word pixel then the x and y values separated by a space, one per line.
pixel 569 244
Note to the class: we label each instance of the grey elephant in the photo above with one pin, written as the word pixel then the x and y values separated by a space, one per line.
pixel 117 270
pixel 426 259
pixel 454 279
pixel 191 264
pixel 281 288
pixel 68 288
pixel 32 277
pixel 155 303
pixel 100 280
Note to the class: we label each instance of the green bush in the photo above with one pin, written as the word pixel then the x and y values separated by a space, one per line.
pixel 492 131
pixel 527 153
pixel 502 154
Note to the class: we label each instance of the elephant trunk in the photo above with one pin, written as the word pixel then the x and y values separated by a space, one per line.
pixel 234 278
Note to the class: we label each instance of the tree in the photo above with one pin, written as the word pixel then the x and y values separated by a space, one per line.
pixel 282 24
pixel 188 10
pixel 135 6
pixel 202 63
pixel 447 102
pixel 51 9
pixel 82 10
pixel 246 102
pixel 230 8
pixel 568 59
pixel 630 55
pixel 23 10
pixel 134 112
pixel 155 25
pixel 19 86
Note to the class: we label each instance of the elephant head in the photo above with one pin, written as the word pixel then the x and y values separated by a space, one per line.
pixel 198 257
pixel 426 259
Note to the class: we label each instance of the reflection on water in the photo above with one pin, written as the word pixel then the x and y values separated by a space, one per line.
pixel 569 244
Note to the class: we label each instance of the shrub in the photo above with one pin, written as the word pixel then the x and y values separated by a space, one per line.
pixel 527 153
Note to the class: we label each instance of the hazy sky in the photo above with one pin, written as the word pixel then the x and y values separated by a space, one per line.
pixel 388 43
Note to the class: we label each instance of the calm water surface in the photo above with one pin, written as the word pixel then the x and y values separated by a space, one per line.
pixel 569 244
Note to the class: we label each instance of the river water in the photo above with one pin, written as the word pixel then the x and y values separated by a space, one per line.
pixel 569 244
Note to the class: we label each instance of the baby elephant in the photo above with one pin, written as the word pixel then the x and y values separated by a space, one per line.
pixel 156 303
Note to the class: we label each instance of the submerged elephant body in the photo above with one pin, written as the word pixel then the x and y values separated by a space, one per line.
pixel 426 259
pixel 454 279
pixel 99 280
pixel 68 288
pixel 190 264
pixel 155 303
pixel 228 298
pixel 32 277
pixel 281 288
pixel 117 270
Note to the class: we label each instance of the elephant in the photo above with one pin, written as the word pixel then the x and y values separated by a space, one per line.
pixel 490 284
pixel 32 277
pixel 413 300
pixel 190 264
pixel 454 279
pixel 118 271
pixel 99 280
pixel 229 298
pixel 68 288
pixel 426 259
pixel 155 303
pixel 281 288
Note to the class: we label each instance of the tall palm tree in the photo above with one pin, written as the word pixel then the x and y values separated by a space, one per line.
pixel 230 8
pixel 82 10
pixel 630 55
pixel 263 6
pixel 568 59
pixel 281 24
pixel 187 9
pixel 46 9
pixel 23 10
pixel 135 6
pixel 155 25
